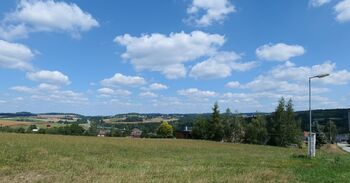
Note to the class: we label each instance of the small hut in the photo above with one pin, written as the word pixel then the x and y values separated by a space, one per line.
pixel 136 133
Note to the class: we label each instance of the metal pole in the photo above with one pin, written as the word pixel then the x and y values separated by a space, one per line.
pixel 312 138
pixel 310 120
pixel 330 131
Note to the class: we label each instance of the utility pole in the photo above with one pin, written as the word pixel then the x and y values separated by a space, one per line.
pixel 312 136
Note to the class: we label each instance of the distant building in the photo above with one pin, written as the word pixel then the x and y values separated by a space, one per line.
pixel 184 134
pixel 103 132
pixel 342 137
pixel 136 133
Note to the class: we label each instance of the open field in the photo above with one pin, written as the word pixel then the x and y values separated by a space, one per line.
pixel 48 158
pixel 12 123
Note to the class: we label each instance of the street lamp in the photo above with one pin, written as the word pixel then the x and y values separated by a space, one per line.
pixel 312 136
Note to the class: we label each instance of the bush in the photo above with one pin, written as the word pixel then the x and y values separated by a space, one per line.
pixel 165 130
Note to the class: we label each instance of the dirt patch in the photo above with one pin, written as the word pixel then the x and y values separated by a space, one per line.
pixel 332 149
pixel 29 177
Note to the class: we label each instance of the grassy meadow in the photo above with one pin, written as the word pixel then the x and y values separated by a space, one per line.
pixel 50 158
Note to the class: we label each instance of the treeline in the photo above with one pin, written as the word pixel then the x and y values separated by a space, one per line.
pixel 280 129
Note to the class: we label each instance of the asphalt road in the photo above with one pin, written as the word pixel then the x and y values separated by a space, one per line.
pixel 345 147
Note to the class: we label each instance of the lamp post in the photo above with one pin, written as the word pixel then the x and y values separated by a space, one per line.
pixel 312 136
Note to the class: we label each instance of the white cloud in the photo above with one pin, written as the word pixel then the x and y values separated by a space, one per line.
pixel 148 94
pixel 167 54
pixel 52 77
pixel 15 56
pixel 45 86
pixel 120 79
pixel 23 89
pixel 64 96
pixel 289 71
pixel 157 86
pixel 46 16
pixel 220 65
pixel 13 31
pixel 48 92
pixel 233 84
pixel 106 91
pixel 279 52
pixel 214 11
pixel 266 83
pixel 288 79
pixel 318 3
pixel 342 9
pixel 109 92
pixel 194 92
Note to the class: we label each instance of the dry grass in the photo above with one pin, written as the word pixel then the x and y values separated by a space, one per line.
pixel 48 158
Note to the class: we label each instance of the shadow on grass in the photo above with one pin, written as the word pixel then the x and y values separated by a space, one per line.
pixel 300 156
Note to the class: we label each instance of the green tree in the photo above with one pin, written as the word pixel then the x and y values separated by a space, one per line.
pixel 293 127
pixel 226 123
pixel 237 129
pixel 165 130
pixel 285 129
pixel 215 126
pixel 30 128
pixel 200 129
pixel 331 132
pixel 321 138
pixel 256 131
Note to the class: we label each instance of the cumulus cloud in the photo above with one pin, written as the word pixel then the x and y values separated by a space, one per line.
pixel 23 89
pixel 233 84
pixel 279 52
pixel 47 92
pixel 220 65
pixel 148 94
pixel 157 86
pixel 46 16
pixel 206 12
pixel 15 56
pixel 289 79
pixel 318 3
pixel 342 9
pixel 52 77
pixel 265 83
pixel 168 53
pixel 120 79
pixel 107 92
pixel 291 71
pixel 61 96
pixel 194 92
pixel 45 86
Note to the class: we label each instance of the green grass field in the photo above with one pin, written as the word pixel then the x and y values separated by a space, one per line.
pixel 49 158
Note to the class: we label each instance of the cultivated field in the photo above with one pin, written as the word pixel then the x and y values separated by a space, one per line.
pixel 48 158
pixel 12 123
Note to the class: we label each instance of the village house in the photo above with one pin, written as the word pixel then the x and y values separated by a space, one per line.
pixel 186 133
pixel 136 133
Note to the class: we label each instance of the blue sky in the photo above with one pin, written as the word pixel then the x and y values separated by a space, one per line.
pixel 175 56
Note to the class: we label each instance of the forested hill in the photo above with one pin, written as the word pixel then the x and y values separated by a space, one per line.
pixel 322 117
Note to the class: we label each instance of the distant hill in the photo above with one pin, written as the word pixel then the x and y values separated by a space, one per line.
pixel 339 116
pixel 17 114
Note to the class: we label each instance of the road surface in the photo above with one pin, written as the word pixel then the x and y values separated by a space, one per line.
pixel 345 147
